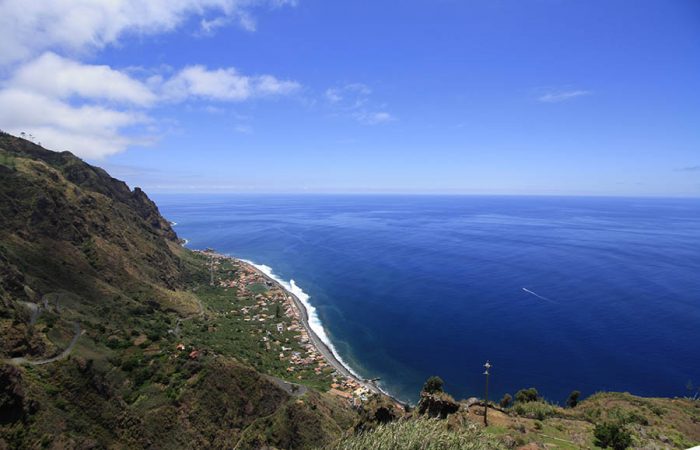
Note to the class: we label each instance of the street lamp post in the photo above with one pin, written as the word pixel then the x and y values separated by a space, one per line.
pixel 486 400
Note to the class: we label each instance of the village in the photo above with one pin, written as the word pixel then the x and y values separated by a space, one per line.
pixel 281 326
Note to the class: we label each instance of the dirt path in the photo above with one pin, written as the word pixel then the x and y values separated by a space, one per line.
pixel 63 355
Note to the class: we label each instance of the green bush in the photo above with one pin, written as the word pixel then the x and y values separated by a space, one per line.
pixel 506 401
pixel 572 401
pixel 527 395
pixel 433 384
pixel 612 435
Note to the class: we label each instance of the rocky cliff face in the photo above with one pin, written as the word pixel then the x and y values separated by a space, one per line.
pixel 61 171
pixel 54 204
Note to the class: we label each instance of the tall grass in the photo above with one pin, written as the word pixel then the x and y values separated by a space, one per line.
pixel 420 434
pixel 539 410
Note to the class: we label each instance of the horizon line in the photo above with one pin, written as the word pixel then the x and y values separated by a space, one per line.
pixel 427 194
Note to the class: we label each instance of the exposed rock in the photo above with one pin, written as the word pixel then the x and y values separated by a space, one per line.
pixel 376 411
pixel 438 404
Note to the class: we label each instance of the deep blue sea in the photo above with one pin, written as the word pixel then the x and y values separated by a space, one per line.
pixel 559 293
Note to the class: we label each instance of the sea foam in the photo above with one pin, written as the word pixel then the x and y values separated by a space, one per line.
pixel 314 321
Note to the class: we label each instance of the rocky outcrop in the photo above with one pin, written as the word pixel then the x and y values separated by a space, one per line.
pixel 437 404
pixel 378 410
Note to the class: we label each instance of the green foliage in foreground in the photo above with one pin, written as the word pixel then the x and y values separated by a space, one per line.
pixel 420 434
pixel 612 435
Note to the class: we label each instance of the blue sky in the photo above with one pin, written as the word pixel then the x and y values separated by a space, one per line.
pixel 548 97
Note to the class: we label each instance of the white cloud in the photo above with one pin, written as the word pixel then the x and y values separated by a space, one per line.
pixel 223 85
pixel 353 100
pixel 87 108
pixel 90 131
pixel 374 118
pixel 358 91
pixel 59 77
pixel 72 106
pixel 94 110
pixel 243 129
pixel 28 28
pixel 561 96
pixel 333 95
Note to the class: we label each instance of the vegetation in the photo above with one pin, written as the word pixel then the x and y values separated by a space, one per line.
pixel 433 384
pixel 539 410
pixel 163 359
pixel 527 395
pixel 506 401
pixel 612 435
pixel 420 434
pixel 572 400
pixel 79 247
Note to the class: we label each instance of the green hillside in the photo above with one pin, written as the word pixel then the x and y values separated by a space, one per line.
pixel 84 258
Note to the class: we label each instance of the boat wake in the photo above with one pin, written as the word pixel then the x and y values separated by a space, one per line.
pixel 538 295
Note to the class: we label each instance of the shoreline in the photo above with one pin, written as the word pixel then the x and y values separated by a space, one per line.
pixel 317 342
pixel 326 351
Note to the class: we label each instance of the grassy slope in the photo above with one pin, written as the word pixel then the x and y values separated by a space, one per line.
pixel 652 422
pixel 74 237
pixel 421 434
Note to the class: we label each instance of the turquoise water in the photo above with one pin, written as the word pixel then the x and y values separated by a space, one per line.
pixel 558 293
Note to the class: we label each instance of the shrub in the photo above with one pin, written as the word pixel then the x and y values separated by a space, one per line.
pixel 527 395
pixel 612 435
pixel 572 401
pixel 433 384
pixel 535 410
pixel 506 401
pixel 419 434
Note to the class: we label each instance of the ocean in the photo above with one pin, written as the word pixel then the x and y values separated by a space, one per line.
pixel 558 293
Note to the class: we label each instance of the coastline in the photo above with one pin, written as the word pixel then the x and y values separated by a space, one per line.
pixel 317 342
pixel 305 316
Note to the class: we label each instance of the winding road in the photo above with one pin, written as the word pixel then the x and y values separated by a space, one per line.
pixel 63 355
pixel 36 311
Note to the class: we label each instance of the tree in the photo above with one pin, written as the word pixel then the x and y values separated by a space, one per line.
pixel 572 401
pixel 612 435
pixel 506 401
pixel 433 384
pixel 278 311
pixel 527 395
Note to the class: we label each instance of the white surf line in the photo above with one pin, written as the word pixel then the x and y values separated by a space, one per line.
pixel 538 295
pixel 313 319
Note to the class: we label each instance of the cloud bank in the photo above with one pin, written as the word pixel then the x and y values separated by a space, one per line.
pixel 97 110
pixel 28 28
